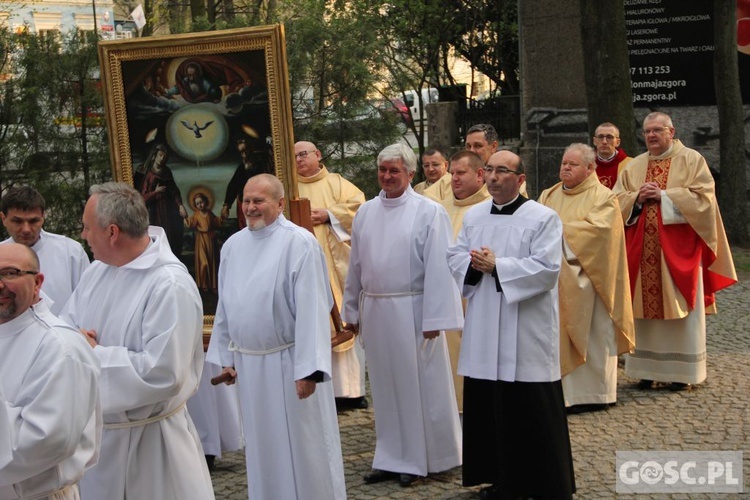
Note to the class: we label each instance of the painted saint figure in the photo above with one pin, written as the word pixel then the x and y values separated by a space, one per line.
pixel 247 168
pixel 163 200
pixel 205 223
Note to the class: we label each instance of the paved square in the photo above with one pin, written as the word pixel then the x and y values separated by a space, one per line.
pixel 713 416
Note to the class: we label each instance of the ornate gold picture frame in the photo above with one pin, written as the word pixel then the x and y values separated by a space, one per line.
pixel 190 118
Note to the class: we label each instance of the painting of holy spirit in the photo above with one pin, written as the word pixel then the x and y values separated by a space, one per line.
pixel 194 117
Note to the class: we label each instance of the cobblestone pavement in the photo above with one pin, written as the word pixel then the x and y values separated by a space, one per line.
pixel 713 416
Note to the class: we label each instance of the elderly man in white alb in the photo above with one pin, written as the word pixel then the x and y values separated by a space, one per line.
pixel 63 260
pixel 50 417
pixel 141 313
pixel 400 293
pixel 273 277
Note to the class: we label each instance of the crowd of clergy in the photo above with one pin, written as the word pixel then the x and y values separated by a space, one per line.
pixel 486 319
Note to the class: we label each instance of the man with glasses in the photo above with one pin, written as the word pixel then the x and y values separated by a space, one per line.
pixel 678 256
pixel 50 416
pixel 596 319
pixel 610 158
pixel 435 168
pixel 141 313
pixel 334 201
pixel 506 261
pixel 63 260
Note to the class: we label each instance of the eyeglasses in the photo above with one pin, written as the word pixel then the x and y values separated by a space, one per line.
pixel 609 137
pixel 488 169
pixel 303 154
pixel 655 130
pixel 11 273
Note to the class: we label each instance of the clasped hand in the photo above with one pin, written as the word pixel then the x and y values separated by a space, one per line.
pixel 483 260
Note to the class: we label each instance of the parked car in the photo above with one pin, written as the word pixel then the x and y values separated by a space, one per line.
pixel 415 107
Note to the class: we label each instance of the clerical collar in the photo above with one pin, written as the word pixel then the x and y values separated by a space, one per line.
pixel 508 208
pixel 500 207
pixel 607 160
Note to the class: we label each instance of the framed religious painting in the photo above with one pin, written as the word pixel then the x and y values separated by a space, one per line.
pixel 191 118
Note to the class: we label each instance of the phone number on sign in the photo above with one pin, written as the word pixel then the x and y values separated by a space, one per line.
pixel 650 70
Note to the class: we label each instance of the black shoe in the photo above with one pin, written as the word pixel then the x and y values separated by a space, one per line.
pixel 645 384
pixel 210 459
pixel 351 403
pixel 585 408
pixel 359 403
pixel 406 480
pixel 490 492
pixel 678 386
pixel 378 476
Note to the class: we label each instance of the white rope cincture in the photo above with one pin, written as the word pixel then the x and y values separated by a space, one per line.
pixel 145 421
pixel 235 348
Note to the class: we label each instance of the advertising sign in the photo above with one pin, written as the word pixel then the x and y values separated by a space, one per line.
pixel 671 45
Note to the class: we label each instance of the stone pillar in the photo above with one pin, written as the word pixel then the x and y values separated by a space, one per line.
pixel 442 128
pixel 553 94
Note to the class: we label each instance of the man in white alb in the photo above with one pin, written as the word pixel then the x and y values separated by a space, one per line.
pixel 400 294
pixel 50 419
pixel 272 335
pixel 141 313
pixel 63 260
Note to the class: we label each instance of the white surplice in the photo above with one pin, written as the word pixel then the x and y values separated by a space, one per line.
pixel 514 335
pixel 62 261
pixel 50 417
pixel 398 266
pixel 149 319
pixel 216 414
pixel 273 312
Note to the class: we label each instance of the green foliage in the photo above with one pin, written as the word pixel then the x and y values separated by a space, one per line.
pixel 53 133
pixel 334 70
pixel 485 32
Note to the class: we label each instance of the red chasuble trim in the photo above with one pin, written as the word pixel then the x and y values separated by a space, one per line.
pixel 683 251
